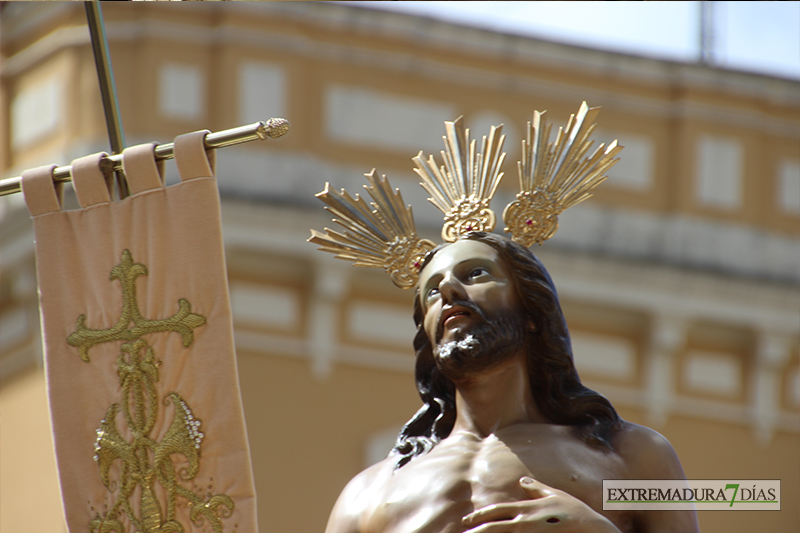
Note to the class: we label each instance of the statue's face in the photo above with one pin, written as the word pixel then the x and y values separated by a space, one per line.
pixel 464 286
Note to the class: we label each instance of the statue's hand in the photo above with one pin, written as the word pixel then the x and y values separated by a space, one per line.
pixel 548 509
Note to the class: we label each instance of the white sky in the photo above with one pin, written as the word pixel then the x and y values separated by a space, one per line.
pixel 762 37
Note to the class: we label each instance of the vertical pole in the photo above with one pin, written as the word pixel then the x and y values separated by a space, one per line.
pixel 108 89
pixel 706 32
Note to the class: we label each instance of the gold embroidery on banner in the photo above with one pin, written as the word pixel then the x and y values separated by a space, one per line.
pixel 145 461
pixel 126 272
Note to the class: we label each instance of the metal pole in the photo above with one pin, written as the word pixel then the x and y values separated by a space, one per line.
pixel 706 32
pixel 272 128
pixel 108 88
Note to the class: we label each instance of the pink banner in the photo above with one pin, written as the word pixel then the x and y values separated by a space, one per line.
pixel 141 370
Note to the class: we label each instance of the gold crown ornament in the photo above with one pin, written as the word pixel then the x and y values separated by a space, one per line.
pixel 463 187
pixel 383 236
pixel 553 176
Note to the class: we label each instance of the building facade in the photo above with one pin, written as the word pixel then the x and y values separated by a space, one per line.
pixel 679 279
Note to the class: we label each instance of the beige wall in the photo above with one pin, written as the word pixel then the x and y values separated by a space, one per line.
pixel 29 485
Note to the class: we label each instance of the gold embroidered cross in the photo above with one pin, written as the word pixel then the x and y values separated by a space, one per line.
pixel 183 322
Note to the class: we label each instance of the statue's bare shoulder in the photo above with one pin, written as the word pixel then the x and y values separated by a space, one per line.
pixel 646 453
pixel 649 455
pixel 358 496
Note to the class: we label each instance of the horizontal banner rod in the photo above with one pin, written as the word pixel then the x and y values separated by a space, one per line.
pixel 273 128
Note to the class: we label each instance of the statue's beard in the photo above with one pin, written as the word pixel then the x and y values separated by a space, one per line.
pixel 492 340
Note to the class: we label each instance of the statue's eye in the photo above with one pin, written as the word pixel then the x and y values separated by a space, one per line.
pixel 477 272
pixel 433 291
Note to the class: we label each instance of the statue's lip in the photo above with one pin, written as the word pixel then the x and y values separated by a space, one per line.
pixel 455 310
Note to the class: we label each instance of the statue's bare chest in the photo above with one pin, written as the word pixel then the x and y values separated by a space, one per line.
pixel 464 473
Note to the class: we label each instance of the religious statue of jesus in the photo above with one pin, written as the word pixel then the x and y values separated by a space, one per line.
pixel 508 439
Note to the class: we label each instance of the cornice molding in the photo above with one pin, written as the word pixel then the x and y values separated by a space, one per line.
pixel 524 51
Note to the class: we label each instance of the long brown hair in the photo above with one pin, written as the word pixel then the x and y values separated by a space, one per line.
pixel 555 384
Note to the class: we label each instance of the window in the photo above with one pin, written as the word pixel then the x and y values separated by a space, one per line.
pixel 719 172
pixel 182 91
pixel 262 90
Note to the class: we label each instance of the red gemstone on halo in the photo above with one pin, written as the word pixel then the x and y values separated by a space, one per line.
pixel 416 264
pixel 529 222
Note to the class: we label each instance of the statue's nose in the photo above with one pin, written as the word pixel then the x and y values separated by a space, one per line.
pixel 451 288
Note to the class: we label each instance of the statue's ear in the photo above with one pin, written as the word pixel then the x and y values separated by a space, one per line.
pixel 532 325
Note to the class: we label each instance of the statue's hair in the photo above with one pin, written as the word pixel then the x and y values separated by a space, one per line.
pixel 555 385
